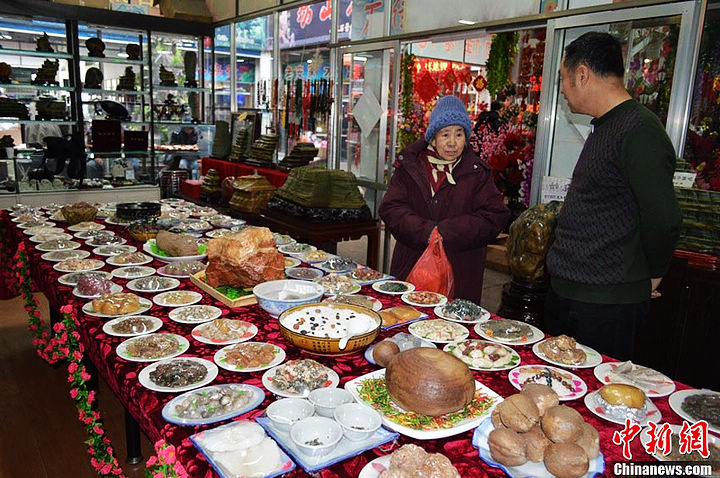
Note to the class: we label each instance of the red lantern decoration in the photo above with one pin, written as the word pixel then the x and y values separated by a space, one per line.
pixel 480 83
pixel 426 87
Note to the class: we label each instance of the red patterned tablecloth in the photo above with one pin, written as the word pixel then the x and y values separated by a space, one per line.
pixel 145 405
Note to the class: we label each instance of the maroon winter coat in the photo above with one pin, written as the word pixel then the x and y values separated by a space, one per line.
pixel 469 215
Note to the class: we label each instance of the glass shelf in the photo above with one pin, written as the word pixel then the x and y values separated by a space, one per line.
pixel 119 61
pixel 179 88
pixel 19 121
pixel 45 54
pixel 117 153
pixel 92 91
pixel 25 86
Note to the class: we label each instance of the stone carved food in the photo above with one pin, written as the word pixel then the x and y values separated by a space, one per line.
pixel 366 274
pixel 130 258
pixel 181 268
pixel 429 381
pixel 104 238
pixel 78 264
pixel 531 426
pixel 133 325
pixel 153 346
pixel 120 303
pixel 411 460
pixel 177 245
pixel 623 401
pixel 93 285
pixel 224 329
pixel 153 283
pixel 74 277
pixel 78 212
pixel 213 402
pixel 297 376
pixel 250 355
pixel 399 315
pixel 337 284
pixel 465 310
pixel 703 406
pixel 178 373
pixel 481 354
pixel 563 349
pixel 244 259
pixel 510 330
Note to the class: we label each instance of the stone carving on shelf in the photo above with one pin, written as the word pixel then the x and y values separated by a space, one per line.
pixel 46 73
pixel 11 108
pixel 167 77
pixel 93 79
pixel 43 44
pixel 96 47
pixel 221 143
pixel 127 81
pixel 194 103
pixel 5 72
pixel 190 62
pixel 49 108
pixel 170 109
pixel 133 51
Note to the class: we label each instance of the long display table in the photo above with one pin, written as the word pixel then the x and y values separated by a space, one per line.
pixel 145 406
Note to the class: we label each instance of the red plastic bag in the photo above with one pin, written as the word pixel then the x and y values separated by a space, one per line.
pixel 433 271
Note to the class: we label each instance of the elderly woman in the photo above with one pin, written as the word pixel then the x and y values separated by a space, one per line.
pixel 439 182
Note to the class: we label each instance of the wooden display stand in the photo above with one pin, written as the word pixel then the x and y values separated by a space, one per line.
pixel 199 280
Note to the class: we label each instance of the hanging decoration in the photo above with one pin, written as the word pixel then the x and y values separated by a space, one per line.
pixel 500 59
pixel 307 102
pixel 479 83
pixel 427 87
pixel 449 78
pixel 409 126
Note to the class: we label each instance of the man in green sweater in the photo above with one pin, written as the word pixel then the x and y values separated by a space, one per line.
pixel 620 222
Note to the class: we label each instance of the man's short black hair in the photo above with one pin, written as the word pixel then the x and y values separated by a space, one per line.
pixel 601 52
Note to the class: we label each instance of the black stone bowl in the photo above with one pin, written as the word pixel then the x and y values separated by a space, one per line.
pixel 133 211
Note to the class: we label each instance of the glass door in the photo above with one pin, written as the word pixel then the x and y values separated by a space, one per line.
pixel 365 117
pixel 658 45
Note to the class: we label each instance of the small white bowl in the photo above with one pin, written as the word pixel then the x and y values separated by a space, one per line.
pixel 316 436
pixel 277 296
pixel 286 411
pixel 358 421
pixel 327 399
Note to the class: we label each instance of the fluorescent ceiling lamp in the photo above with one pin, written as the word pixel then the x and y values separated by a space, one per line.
pixel 360 58
pixel 467 22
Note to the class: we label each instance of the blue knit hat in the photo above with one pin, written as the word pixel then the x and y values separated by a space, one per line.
pixel 449 111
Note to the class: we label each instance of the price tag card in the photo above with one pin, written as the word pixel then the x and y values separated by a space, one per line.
pixel 684 180
pixel 554 188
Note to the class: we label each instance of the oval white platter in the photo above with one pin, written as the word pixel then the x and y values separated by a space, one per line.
pixel 115 288
pixel 183 346
pixel 536 335
pixel 519 375
pixel 148 249
pixel 156 325
pixel 125 272
pixel 257 397
pixel 592 358
pixel 513 362
pixel 193 298
pixel 113 250
pixel 377 286
pixel 39 239
pixel 117 241
pixel 676 400
pixel 57 256
pixel 112 261
pixel 170 284
pixel 176 313
pixel 93 265
pixel 269 376
pixel 661 389
pixel 459 332
pixel 440 312
pixel 250 332
pixel 146 381
pixel 220 358
pixel 68 279
pixel 145 305
pixel 44 248
pixel 86 227
pixel 593 404
pixel 407 297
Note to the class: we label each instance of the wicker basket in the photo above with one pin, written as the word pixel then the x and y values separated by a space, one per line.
pixel 701 220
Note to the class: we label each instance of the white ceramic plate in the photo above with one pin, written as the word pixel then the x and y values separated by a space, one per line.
pixel 353 386
pixel 70 279
pixel 593 404
pixel 440 312
pixel 592 358
pixel 191 296
pixel 146 381
pixel 250 331
pixel 677 398
pixel 132 272
pixel 376 304
pixel 92 265
pixel 115 288
pixel 312 257
pixel 122 349
pixel 47 228
pixel 377 286
pixel 156 325
pixel 221 360
pixel 176 314
pixel 59 256
pixel 666 387
pixel 536 335
pixel 367 281
pixel 423 343
pixel 289 248
pixel 269 376
pixel 145 305
pixel 675 430
pixel 118 241
pixel 408 298
pixel 40 238
pixel 218 233
pixel 113 250
pixel 161 271
pixel 86 227
pixel 44 248
pixel 256 397
pixel 376 467
pixel 355 288
pixel 528 469
pixel 147 248
pixel 116 222
pixel 300 273
pixel 292 262
pixel 514 357
pixel 112 261
pixel 446 333
pixel 169 282
pixel 519 375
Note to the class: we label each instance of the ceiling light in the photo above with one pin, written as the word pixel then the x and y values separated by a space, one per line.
pixel 360 58
pixel 467 22
pixel 309 61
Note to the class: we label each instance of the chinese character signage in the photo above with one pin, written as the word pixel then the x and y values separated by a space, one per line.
pixel 310 24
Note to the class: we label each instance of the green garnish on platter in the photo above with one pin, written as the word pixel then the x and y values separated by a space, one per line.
pixel 157 251
pixel 230 292
pixel 374 392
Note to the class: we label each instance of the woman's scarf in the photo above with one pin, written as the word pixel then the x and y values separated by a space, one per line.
pixel 441 165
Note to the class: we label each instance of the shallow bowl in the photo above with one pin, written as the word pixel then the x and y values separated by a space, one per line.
pixel 277 296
